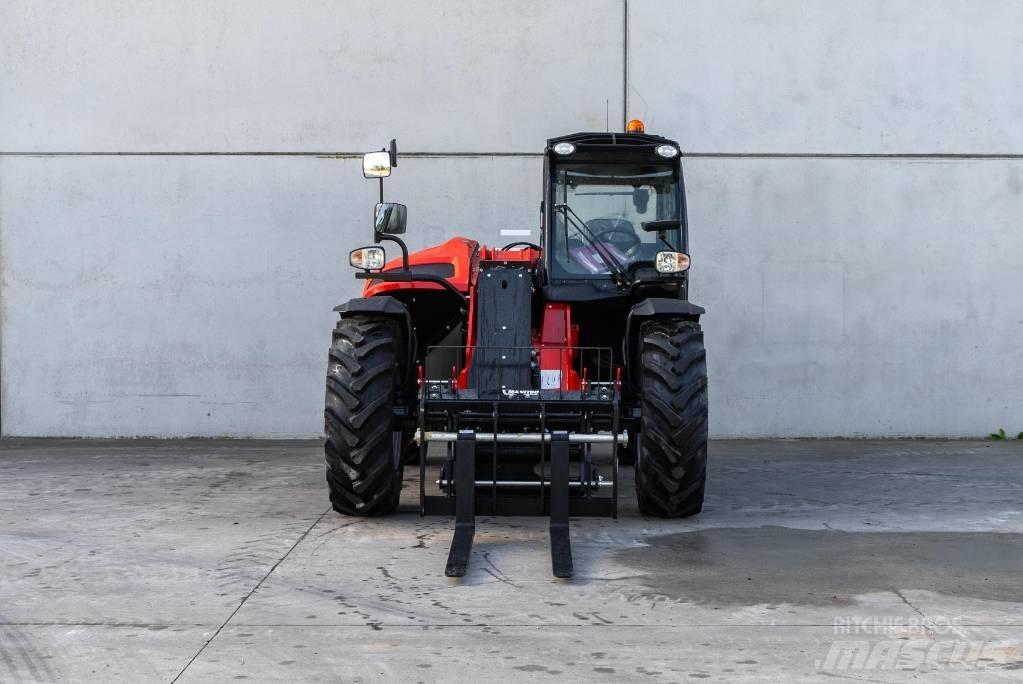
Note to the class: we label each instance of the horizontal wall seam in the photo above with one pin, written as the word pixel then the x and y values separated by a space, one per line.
pixel 530 155
pixel 322 155
pixel 848 155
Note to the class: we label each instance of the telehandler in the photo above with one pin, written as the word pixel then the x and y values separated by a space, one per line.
pixel 520 359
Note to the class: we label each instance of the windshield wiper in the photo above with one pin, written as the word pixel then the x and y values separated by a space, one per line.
pixel 618 274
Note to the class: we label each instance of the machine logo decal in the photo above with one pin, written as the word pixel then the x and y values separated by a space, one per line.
pixel 520 394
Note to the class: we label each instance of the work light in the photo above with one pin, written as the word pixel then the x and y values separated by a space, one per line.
pixel 667 151
pixel 367 258
pixel 564 148
pixel 672 262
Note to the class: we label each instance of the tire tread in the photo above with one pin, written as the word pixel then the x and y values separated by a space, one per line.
pixel 363 475
pixel 671 469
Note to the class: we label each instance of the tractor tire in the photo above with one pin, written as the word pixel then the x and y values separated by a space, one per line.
pixel 363 450
pixel 671 464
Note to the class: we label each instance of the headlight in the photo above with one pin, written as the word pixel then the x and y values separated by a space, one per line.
pixel 667 151
pixel 367 258
pixel 564 148
pixel 672 262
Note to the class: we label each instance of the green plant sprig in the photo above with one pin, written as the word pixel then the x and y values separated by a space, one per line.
pixel 1001 436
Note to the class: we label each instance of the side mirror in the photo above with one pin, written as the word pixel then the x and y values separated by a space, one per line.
pixel 376 164
pixel 379 164
pixel 390 217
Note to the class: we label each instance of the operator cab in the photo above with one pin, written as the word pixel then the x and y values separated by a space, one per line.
pixel 612 203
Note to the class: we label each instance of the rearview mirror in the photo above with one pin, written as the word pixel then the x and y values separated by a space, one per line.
pixel 640 199
pixel 376 164
pixel 670 224
pixel 390 217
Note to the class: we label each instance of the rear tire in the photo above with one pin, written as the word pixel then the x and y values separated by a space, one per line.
pixel 671 467
pixel 363 450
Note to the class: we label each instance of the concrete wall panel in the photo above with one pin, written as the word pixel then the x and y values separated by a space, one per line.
pixel 176 296
pixel 190 294
pixel 859 297
pixel 315 76
pixel 865 77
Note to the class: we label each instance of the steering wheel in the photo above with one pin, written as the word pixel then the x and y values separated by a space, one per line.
pixel 522 244
pixel 632 241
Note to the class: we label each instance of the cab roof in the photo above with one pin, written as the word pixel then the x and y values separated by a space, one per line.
pixel 613 148
pixel 595 141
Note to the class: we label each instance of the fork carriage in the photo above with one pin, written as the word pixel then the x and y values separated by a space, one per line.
pixel 513 451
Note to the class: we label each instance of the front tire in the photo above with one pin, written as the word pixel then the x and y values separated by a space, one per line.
pixel 363 450
pixel 671 468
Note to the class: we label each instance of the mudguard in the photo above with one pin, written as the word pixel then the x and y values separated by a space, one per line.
pixel 384 305
pixel 655 307
pixel 381 305
pixel 662 307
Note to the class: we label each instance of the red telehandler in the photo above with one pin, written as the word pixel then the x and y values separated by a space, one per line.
pixel 520 359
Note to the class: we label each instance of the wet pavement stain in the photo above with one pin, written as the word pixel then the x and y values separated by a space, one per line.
pixel 774 565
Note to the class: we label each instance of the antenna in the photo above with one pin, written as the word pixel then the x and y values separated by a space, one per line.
pixel 646 107
pixel 607 115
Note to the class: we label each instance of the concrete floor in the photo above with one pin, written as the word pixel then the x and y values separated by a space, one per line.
pixel 211 561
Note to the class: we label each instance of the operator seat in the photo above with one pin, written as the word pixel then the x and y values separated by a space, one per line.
pixel 600 225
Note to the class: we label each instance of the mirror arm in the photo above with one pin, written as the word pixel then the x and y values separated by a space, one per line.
pixel 392 155
pixel 381 237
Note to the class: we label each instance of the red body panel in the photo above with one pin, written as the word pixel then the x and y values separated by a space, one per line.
pixel 554 341
pixel 516 255
pixel 459 252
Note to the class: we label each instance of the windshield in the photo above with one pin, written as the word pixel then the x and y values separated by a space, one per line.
pixel 598 215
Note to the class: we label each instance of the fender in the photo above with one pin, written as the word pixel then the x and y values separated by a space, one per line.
pixel 388 307
pixel 381 305
pixel 655 307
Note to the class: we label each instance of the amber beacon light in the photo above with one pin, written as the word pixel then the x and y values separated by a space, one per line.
pixel 634 126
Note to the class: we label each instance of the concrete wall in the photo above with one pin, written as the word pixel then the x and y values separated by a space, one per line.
pixel 178 195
